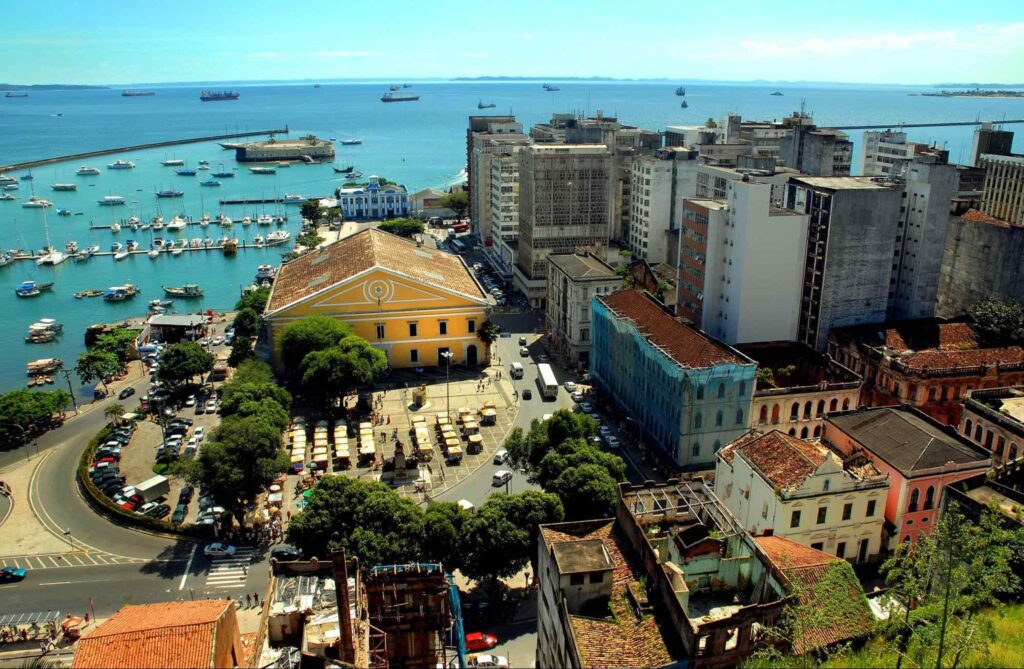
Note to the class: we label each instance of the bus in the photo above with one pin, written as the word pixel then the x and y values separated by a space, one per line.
pixel 457 246
pixel 548 382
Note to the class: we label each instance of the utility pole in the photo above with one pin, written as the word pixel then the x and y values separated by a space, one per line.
pixel 67 375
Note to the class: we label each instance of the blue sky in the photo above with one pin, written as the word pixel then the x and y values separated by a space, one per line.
pixel 872 41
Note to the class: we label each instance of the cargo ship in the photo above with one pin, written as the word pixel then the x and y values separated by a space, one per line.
pixel 391 96
pixel 214 96
pixel 136 94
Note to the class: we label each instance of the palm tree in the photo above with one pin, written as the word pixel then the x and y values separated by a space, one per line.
pixel 487 333
pixel 114 412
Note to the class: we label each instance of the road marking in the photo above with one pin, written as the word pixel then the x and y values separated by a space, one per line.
pixel 229 572
pixel 188 567
pixel 101 580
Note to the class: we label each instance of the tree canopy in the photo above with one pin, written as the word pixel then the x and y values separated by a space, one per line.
pixel 253 371
pixel 96 365
pixel 241 351
pixel 501 535
pixel 998 322
pixel 403 227
pixel 331 373
pixel 311 210
pixel 29 410
pixel 183 362
pixel 458 202
pixel 236 393
pixel 118 341
pixel 256 300
pixel 312 333
pixel 247 323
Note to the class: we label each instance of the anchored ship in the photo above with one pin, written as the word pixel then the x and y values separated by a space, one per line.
pixel 214 96
pixel 391 96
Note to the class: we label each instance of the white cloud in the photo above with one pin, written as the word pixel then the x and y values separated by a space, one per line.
pixel 341 54
pixel 841 46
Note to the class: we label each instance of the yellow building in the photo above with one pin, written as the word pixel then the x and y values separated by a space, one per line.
pixel 412 301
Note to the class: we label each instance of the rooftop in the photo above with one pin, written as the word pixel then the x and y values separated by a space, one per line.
pixel 581 556
pixel 684 344
pixel 907 439
pixel 1007 401
pixel 582 267
pixel 321 270
pixel 794 365
pixel 783 460
pixel 178 320
pixel 706 203
pixel 168 634
pixel 844 183
pixel 975 216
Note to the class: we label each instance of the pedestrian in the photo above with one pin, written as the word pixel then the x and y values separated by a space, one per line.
pixel 389 419
pixel 248 601
pixel 256 596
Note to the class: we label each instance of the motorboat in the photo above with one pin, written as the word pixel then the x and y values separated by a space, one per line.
pixel 227 222
pixel 189 290
pixel 86 171
pixel 7 197
pixel 132 245
pixel 351 142
pixel 344 170
pixel 71 247
pixel 111 201
pixel 186 172
pixel 283 163
pixel 172 162
pixel 177 223
pixel 230 246
pixel 291 198
pixel 13 186
pixel 158 243
pixel 63 212
pixel 265 273
pixel 264 219
pixel 115 227
pixel 91 292
pixel 121 165
pixel 278 237
pixel 39 336
pixel 43 330
pixel 7 179
pixel 30 288
pixel 257 240
pixel 36 203
pixel 280 220
pixel 121 255
pixel 263 170
pixel 116 246
pixel 176 251
pixel 44 366
pixel 64 187
pixel 196 243
pixel 204 163
pixel 93 249
pixel 246 220
pixel 160 303
pixel 153 253
pixel 222 175
pixel 52 257
pixel 210 183
pixel 120 293
pixel 170 192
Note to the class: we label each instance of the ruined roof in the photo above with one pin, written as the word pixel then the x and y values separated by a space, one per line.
pixel 845 183
pixel 581 556
pixel 323 269
pixel 975 216
pixel 837 598
pixel 582 267
pixel 783 460
pixel 167 634
pixel 623 640
pixel 907 439
pixel 684 344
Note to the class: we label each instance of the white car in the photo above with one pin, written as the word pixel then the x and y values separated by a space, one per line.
pixel 577 396
pixel 217 341
pixel 211 406
pixel 501 477
pixel 199 434
pixel 146 507
pixel 524 352
pixel 585 407
pixel 190 401
pixel 611 440
pixel 604 430
pixel 500 457
pixel 219 550
pixel 487 660
pixel 570 386
pixel 192 443
pixel 596 416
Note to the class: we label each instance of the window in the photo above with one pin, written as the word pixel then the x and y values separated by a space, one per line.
pixel 380 330
pixel 807 409
pixel 833 405
pixel 1000 445
pixel 700 392
pixel 794 520
pixel 818 545
pixel 696 449
pixel 977 433
pixel 764 510
pixel 826 485
pixel 846 404
pixel 967 427
pixel 414 355
pixel 822 514
pixel 718 446
pixel 763 415
pixel 442 327
pixel 721 390
pixel 929 497
pixel 841 549
pixel 794 413
pixel 821 408
pixel 739 416
pixel 718 419
pixel 412 329
pixel 597 577
pixel 743 388
pixel 848 511
pixel 575 579
pixel 871 508
pixel 471 325
pixel 914 497
pixel 803 432
pixel 697 420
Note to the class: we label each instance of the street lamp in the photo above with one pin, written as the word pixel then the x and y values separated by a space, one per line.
pixel 447 355
pixel 28 451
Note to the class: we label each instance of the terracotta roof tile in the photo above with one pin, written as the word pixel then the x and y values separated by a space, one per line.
pixel 785 461
pixel 972 358
pixel 316 271
pixel 684 344
pixel 917 335
pixel 167 634
pixel 975 216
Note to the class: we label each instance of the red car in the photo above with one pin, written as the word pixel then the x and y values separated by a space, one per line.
pixel 477 641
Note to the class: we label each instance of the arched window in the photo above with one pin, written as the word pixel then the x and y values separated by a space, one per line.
pixel 833 405
pixel 826 485
pixel 968 424
pixel 696 449
pixel 697 420
pixel 718 419
pixel 1013 453
pixel 807 409
pixel 721 390
pixel 718 445
pixel 794 413
pixel 739 416
pixel 792 431
pixel 700 392
pixel 929 497
pixel 821 408
pixel 846 404
pixel 775 413
pixel 742 389
pixel 763 416
pixel 977 432
pixel 988 439
pixel 817 430
pixel 915 495
pixel 1000 445
pixel 803 432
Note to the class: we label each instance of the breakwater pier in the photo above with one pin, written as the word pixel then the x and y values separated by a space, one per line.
pixel 138 147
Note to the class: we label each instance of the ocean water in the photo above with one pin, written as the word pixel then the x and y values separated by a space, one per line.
pixel 418 144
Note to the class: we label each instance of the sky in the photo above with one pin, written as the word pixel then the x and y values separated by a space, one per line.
pixel 855 41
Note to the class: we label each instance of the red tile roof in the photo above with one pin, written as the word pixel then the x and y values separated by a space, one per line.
pixel 684 344
pixel 330 265
pixel 942 336
pixel 975 216
pixel 971 358
pixel 826 586
pixel 168 634
pixel 625 640
pixel 784 461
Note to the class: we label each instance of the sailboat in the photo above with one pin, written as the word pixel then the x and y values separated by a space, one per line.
pixel 52 255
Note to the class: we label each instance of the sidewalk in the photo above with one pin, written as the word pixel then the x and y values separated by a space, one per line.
pixel 23 533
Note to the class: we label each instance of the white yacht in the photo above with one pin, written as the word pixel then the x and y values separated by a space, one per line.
pixel 36 203
pixel 111 201
pixel 121 165
pixel 278 237
pixel 293 199
pixel 258 240
pixel 86 171
pixel 177 223
pixel 64 187
pixel 264 219
pixel 53 257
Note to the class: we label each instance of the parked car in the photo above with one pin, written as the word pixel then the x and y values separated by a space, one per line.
pixel 200 408
pixel 211 406
pixel 570 386
pixel 200 433
pixel 487 660
pixel 126 393
pixel 476 641
pixel 500 457
pixel 285 553
pixel 527 393
pixel 522 341
pixel 585 407
pixel 180 512
pixel 219 550
pixel 182 421
pixel 111 489
pixel 524 352
pixel 190 401
pixel 185 496
pixel 159 511
pixel 576 396
pixel 612 441
pixel 542 357
pixel 500 477
pixel 12 574
pixel 147 507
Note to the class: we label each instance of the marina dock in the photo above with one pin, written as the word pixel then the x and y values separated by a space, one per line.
pixel 214 246
pixel 138 147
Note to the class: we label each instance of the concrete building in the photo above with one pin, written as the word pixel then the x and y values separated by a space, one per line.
pixel 885 152
pixel 989 139
pixel 659 183
pixel 687 394
pixel 275 149
pixel 504 207
pixel 781 485
pixel 375 201
pixel 701 228
pixel 1003 194
pixel 478 166
pixel 981 261
pixel 574 279
pixel 658 280
pixel 797 386
pixel 993 418
pixel 819 152
pixel 920 456
pixel 928 364
pixel 853 224
pixel 427 202
pixel 563 207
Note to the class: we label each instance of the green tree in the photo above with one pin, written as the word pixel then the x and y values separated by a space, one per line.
pixel 311 210
pixel 488 333
pixel 247 323
pixel 183 362
pixel 241 351
pixel 443 526
pixel 253 371
pixel 236 393
pixel 575 453
pixel 256 300
pixel 301 337
pixel 329 374
pixel 120 342
pixel 765 377
pixel 501 535
pixel 458 202
pixel 998 322
pixel 586 491
pixel 28 410
pixel 309 240
pixel 114 412
pixel 96 365
pixel 403 227
pixel 267 409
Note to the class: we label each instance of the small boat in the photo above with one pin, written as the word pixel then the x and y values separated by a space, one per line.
pixel 485 105
pixel 186 172
pixel 92 292
pixel 172 162
pixel 777 94
pixel 684 104
pixel 39 337
pixel 63 212
pixel 111 201
pixel 264 219
pixel 680 91
pixel 64 187
pixel 85 171
pixel 246 220
pixel 278 237
pixel 120 255
pixel 116 246
pixel 36 203
pixel 169 192
pixel 115 227
pixel 189 290
pixel 160 303
pixel 7 197
pixel 158 219
pixel 121 165
pixel 120 293
pixel 351 142
pixel 209 183
pixel 51 257
pixel 176 251
pixel 44 366
pixel 355 175
pixel 258 240
pixel 27 177
pixel 132 245
pixel 227 221
pixel 551 88
pixel 308 160
pixel 394 87
pixel 280 220
pixel 265 273
pixel 9 187
pixel 215 96
pixel 177 223
pixel 136 94
pixel 46 325
pixel 71 246
pixel 204 163
pixel 93 249
pixel 7 179
pixel 153 253
pixel 203 167
pixel 145 226
pixel 196 243
pixel 344 170
pixel 293 199
pixel 283 163
pixel 223 175
pixel 31 289
pixel 263 170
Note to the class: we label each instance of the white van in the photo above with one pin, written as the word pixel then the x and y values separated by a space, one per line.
pixel 516 370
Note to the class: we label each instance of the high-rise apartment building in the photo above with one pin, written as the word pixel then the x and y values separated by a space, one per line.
pixel 1003 193
pixel 884 152
pixel 823 152
pixel 991 140
pixel 504 206
pixel 563 207
pixel 478 166
pixel 658 184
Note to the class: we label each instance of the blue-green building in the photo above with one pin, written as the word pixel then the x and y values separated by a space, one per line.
pixel 690 394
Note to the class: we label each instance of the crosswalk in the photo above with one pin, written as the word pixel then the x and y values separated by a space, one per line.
pixel 64 560
pixel 227 573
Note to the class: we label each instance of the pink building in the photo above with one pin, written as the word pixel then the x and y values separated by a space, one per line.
pixel 919 454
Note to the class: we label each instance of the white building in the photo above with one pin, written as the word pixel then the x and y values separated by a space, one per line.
pixel 374 201
pixel 659 183
pixel 504 206
pixel 481 130
pixel 573 281
pixel 885 151
pixel 778 484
